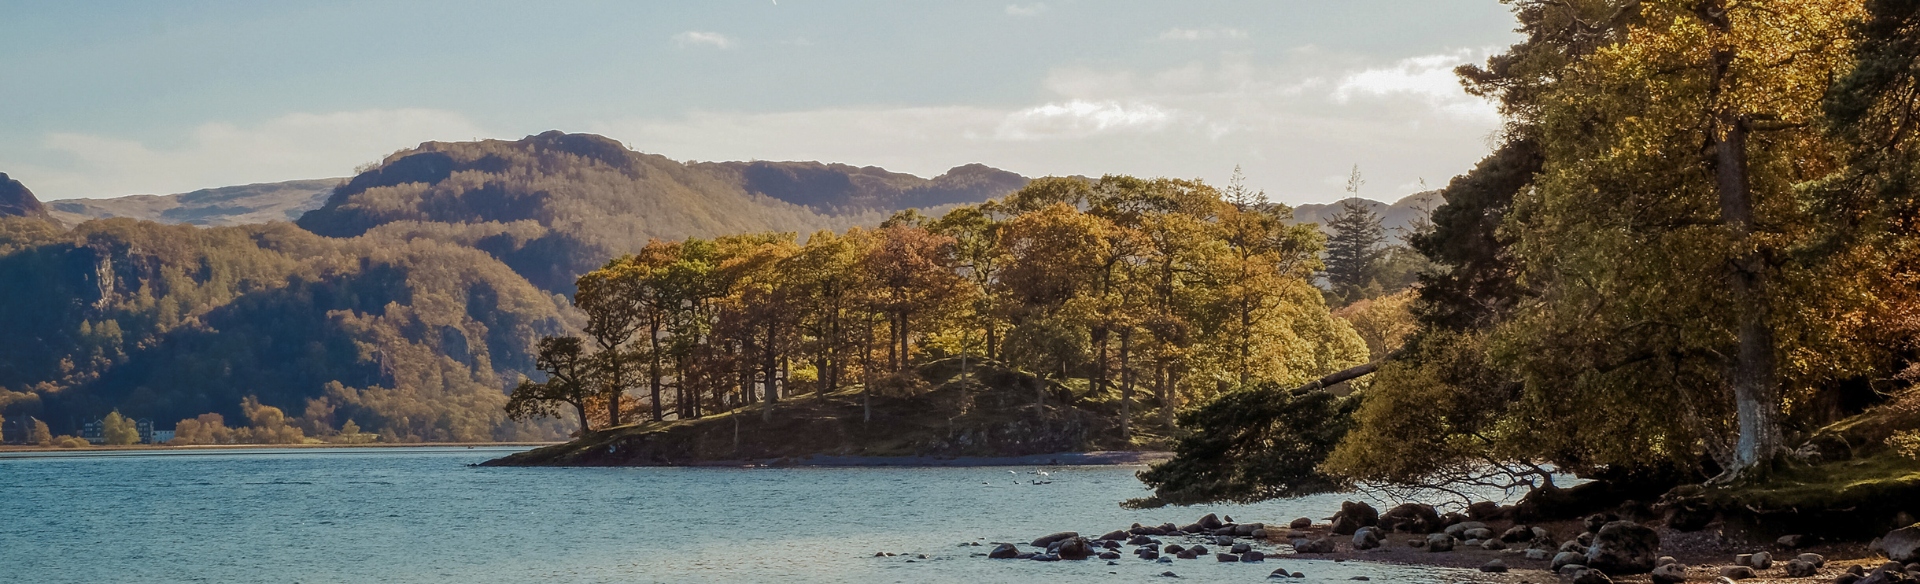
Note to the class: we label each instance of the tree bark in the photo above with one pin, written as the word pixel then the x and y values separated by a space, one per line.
pixel 653 368
pixel 1753 375
pixel 1126 384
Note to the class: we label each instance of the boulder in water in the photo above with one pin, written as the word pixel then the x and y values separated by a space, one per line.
pixel 1209 521
pixel 1353 516
pixel 1301 523
pixel 1075 549
pixel 1737 572
pixel 1253 556
pixel 1313 546
pixel 1004 551
pixel 1366 538
pixel 1494 567
pixel 1045 541
pixel 1439 542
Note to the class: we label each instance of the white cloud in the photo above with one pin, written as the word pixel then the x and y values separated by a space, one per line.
pixel 293 146
pixel 1429 78
pixel 1202 34
pixel 1026 10
pixel 1288 123
pixel 1078 118
pixel 695 38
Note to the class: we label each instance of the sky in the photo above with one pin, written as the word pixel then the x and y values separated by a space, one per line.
pixel 105 99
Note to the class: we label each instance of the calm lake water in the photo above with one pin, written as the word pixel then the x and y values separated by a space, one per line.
pixel 425 515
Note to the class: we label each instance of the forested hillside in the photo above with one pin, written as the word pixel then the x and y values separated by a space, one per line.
pixel 413 340
pixel 410 313
pixel 556 205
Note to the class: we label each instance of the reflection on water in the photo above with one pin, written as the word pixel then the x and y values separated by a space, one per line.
pixel 424 515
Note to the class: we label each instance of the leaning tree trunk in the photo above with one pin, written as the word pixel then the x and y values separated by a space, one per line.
pixel 1755 385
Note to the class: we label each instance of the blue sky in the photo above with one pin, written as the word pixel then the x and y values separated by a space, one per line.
pixel 114 98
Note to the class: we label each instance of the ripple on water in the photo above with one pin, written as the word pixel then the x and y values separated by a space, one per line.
pixel 424 515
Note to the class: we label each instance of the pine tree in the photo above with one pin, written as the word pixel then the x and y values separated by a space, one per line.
pixel 1355 249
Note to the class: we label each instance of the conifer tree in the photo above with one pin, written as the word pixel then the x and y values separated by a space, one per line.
pixel 1354 250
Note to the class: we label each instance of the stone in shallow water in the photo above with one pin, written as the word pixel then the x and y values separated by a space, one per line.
pixel 1494 567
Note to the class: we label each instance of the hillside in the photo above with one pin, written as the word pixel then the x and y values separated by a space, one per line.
pixel 555 205
pixel 410 306
pixel 17 201
pixel 1397 217
pixel 990 412
pixel 413 340
pixel 216 207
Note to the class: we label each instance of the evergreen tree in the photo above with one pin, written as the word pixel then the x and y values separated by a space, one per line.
pixel 1355 249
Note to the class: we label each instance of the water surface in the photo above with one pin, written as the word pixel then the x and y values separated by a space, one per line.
pixel 425 515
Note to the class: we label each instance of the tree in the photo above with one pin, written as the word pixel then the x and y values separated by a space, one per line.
pixel 569 382
pixel 205 429
pixel 40 435
pixel 1354 250
pixel 613 301
pixel 118 430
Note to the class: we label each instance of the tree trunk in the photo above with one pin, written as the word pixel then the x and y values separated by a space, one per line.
pixel 769 361
pixel 581 409
pixel 1098 381
pixel 1753 376
pixel 1126 385
pixel 1165 390
pixel 906 346
pixel 653 369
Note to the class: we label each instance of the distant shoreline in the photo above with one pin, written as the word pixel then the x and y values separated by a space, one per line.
pixel 1095 458
pixel 16 448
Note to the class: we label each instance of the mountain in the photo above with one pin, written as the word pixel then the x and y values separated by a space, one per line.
pixel 556 205
pixel 17 201
pixel 408 301
pixel 238 205
pixel 831 187
pixel 1398 217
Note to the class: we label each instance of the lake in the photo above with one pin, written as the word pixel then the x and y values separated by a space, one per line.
pixel 426 515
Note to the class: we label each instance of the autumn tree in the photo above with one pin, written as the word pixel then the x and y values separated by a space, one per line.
pixel 40 435
pixel 118 430
pixel 569 383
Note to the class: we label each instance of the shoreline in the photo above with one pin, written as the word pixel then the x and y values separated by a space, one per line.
pixel 1702 552
pixel 1094 458
pixel 215 448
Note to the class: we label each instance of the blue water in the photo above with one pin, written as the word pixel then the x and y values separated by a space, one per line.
pixel 425 515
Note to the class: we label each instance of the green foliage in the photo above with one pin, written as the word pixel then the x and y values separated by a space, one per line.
pixel 1158 284
pixel 173 321
pixel 118 430
pixel 40 434
pixel 1252 445
pixel 1355 250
